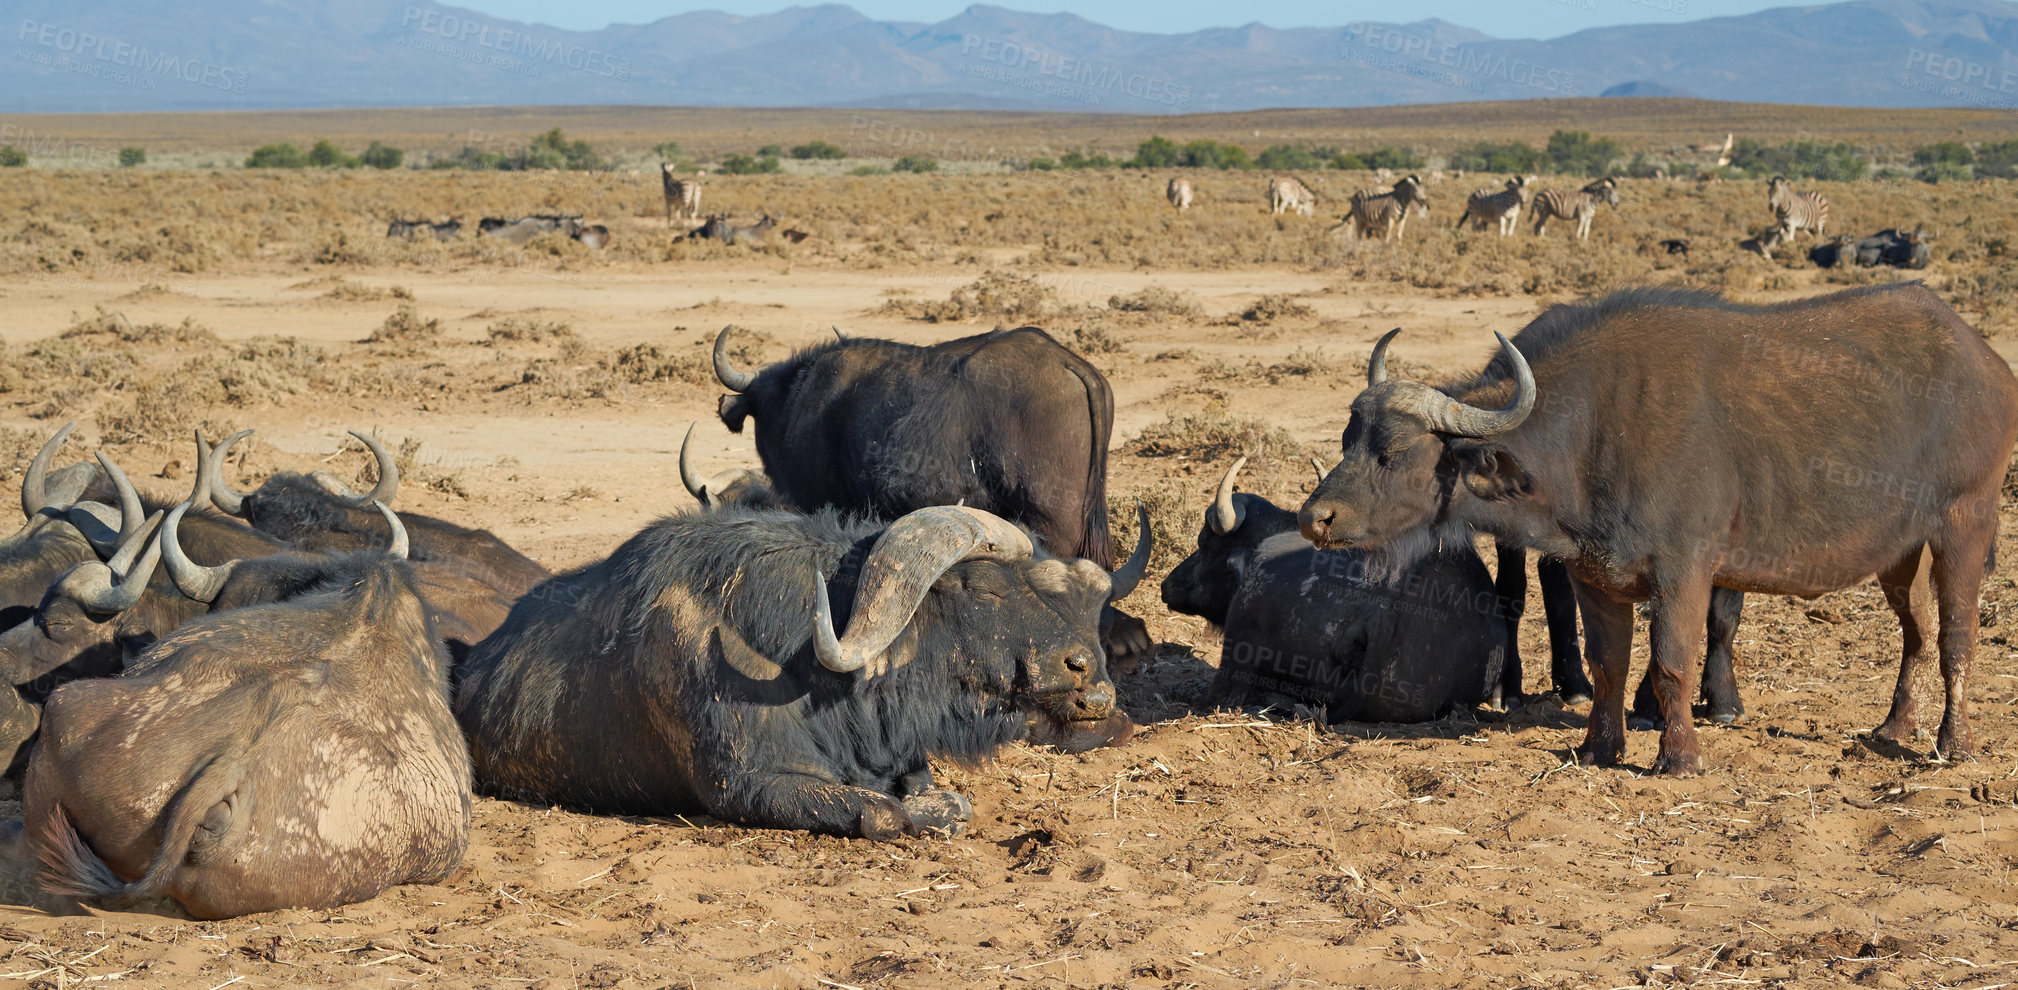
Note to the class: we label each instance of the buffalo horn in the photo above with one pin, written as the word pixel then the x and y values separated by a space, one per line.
pixel 388 475
pixel 92 583
pixel 1130 573
pixel 910 555
pixel 1227 514
pixel 731 377
pixel 1318 466
pixel 34 490
pixel 196 581
pixel 224 496
pixel 1447 415
pixel 696 485
pixel 1376 366
pixel 92 519
pixel 398 548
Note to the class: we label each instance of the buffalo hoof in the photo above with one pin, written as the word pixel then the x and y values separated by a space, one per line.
pixel 1953 741
pixel 1726 718
pixel 884 819
pixel 939 811
pixel 1678 764
pixel 1600 754
pixel 1127 643
pixel 1899 732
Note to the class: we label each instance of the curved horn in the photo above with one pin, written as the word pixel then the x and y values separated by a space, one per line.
pixel 695 484
pixel 388 474
pixel 1458 419
pixel 225 497
pixel 398 548
pixel 1376 366
pixel 732 378
pixel 1130 573
pixel 91 584
pixel 34 490
pixel 1226 516
pixel 194 580
pixel 1318 466
pixel 131 515
pixel 838 335
pixel 899 571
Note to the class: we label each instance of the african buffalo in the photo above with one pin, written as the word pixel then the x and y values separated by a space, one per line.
pixel 320 513
pixel 756 233
pixel 1009 422
pixel 298 753
pixel 1897 248
pixel 1338 630
pixel 699 668
pixel 1823 440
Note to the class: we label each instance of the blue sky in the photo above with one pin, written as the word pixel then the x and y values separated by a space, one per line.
pixel 1500 18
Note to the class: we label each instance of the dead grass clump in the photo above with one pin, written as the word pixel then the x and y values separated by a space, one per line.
pixel 345 290
pixel 552 379
pixel 996 294
pixel 1300 363
pixel 1270 308
pixel 1155 301
pixel 114 324
pixel 160 410
pixel 405 329
pixel 1212 435
pixel 1093 338
pixel 643 363
pixel 1174 513
pixel 263 370
pixel 54 363
pixel 524 330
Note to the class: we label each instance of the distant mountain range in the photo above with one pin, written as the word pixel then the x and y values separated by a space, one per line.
pixel 106 55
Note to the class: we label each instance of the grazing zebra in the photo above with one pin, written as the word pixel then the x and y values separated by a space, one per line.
pixel 1796 211
pixel 1384 213
pixel 685 192
pixel 1179 193
pixel 1504 206
pixel 1286 193
pixel 1580 206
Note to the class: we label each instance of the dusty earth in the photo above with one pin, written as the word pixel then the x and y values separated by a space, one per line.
pixel 1220 848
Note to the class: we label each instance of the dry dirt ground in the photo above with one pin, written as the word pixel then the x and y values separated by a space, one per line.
pixel 1219 849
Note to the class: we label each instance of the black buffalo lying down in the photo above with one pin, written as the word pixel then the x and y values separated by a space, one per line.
pixel 1334 629
pixel 698 668
pixel 1665 442
pixel 1009 422
pixel 297 753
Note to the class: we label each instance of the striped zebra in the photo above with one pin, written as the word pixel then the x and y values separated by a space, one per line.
pixel 1581 206
pixel 1179 193
pixel 685 192
pixel 1486 205
pixel 1286 193
pixel 1796 211
pixel 1384 213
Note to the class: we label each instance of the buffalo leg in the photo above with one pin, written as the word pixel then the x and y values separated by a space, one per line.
pixel 1958 590
pixel 1510 592
pixel 1608 643
pixel 1720 679
pixel 1681 613
pixel 1559 606
pixel 1898 583
pixel 800 801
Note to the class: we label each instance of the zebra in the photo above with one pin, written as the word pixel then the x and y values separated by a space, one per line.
pixel 1796 211
pixel 685 192
pixel 1179 193
pixel 1580 206
pixel 1286 193
pixel 1504 206
pixel 1384 213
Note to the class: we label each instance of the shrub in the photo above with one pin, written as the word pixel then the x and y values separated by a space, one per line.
pixel 1944 153
pixel 667 150
pixel 1577 153
pixel 1041 165
pixel 770 151
pixel 1800 160
pixel 1287 156
pixel 1079 159
pixel 745 165
pixel 915 163
pixel 818 150
pixel 1998 159
pixel 1491 156
pixel 1207 153
pixel 1345 161
pixel 554 150
pixel 12 157
pixel 282 155
pixel 1157 152
pixel 1945 172
pixel 1155 301
pixel 129 157
pixel 1399 159
pixel 381 157
pixel 327 155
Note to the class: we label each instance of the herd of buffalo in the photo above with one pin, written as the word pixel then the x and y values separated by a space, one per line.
pixel 248 700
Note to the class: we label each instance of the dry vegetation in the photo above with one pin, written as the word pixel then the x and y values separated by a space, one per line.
pixel 540 390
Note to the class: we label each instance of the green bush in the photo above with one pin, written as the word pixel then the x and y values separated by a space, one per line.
pixel 868 170
pixel 1399 159
pixel 1207 153
pixel 554 150
pixel 770 151
pixel 745 165
pixel 915 163
pixel 818 149
pixel 1157 152
pixel 667 150
pixel 129 157
pixel 1998 159
pixel 12 157
pixel 1800 160
pixel 1577 153
pixel 1042 165
pixel 282 155
pixel 381 157
pixel 1288 156
pixel 327 155
pixel 1492 156
pixel 1945 171
pixel 1078 159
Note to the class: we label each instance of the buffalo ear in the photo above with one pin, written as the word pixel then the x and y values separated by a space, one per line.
pixel 1491 473
pixel 733 410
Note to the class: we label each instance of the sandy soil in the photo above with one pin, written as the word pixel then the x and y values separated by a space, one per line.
pixel 1219 849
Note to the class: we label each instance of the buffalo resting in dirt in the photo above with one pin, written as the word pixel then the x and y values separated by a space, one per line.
pixel 1824 440
pixel 785 671
pixel 1009 422
pixel 296 753
pixel 1336 630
